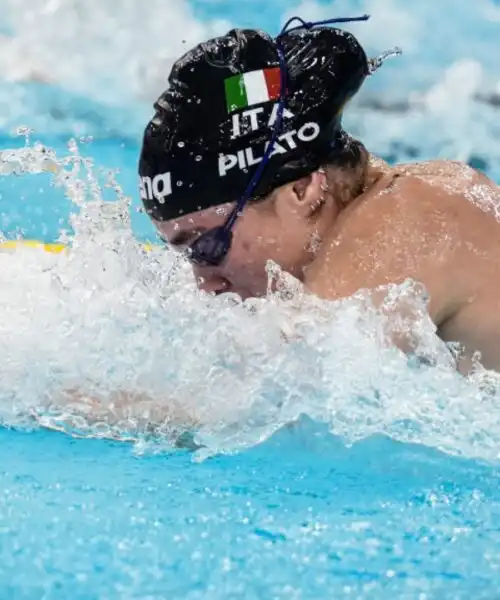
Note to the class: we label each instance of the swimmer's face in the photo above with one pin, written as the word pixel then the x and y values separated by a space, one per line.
pixel 285 227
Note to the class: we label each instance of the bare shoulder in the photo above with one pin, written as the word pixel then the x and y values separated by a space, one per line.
pixel 411 224
pixel 449 176
pixel 419 205
pixel 375 224
pixel 409 210
pixel 395 231
pixel 437 168
pixel 398 202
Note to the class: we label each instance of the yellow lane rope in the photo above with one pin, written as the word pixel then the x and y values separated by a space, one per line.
pixel 55 248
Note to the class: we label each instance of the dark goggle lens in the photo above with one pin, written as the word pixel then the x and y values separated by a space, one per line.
pixel 211 247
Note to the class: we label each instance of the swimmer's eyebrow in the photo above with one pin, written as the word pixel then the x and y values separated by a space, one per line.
pixel 183 237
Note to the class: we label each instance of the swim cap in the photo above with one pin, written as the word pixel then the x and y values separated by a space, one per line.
pixel 213 123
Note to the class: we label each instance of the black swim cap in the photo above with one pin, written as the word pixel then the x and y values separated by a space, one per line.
pixel 213 124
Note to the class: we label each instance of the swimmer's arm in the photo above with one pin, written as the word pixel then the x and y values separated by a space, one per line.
pixel 125 413
pixel 122 405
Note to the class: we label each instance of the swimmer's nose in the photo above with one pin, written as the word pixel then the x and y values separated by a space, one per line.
pixel 210 282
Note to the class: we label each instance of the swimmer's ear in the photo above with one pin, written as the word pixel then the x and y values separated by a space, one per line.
pixel 303 197
pixel 308 193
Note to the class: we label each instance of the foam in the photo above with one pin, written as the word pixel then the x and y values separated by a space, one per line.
pixel 109 317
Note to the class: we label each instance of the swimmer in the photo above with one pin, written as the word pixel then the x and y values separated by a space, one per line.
pixel 245 160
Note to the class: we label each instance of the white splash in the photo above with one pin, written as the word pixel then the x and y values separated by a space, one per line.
pixel 108 340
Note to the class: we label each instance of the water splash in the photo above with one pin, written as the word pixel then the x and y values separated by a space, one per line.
pixel 108 340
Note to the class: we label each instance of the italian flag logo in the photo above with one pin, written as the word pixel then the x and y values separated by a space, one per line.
pixel 252 88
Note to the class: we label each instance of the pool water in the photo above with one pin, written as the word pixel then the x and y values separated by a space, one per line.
pixel 302 516
pixel 330 467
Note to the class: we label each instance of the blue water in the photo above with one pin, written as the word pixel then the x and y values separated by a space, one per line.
pixel 301 516
pixel 409 510
pixel 32 208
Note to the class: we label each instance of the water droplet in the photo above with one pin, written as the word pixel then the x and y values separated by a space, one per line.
pixel 179 183
pixel 181 144
pixel 198 157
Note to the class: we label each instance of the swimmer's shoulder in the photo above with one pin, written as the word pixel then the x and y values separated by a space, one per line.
pixel 417 190
pixel 403 205
pixel 449 176
pixel 397 187
pixel 406 194
pixel 444 190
